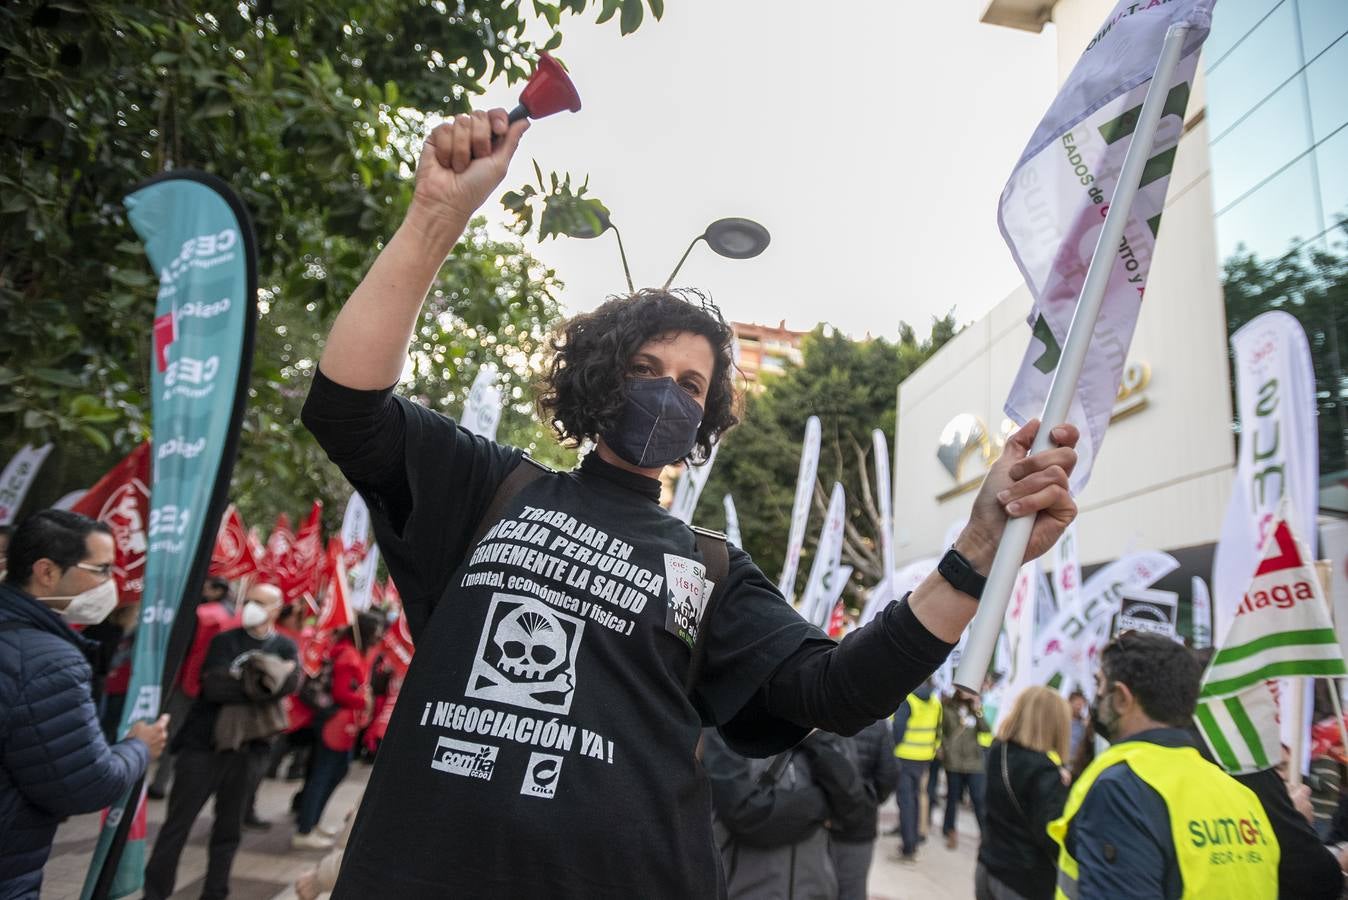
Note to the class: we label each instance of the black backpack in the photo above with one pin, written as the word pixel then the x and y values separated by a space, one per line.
pixel 710 544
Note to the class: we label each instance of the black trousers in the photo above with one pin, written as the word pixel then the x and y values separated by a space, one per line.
pixel 197 776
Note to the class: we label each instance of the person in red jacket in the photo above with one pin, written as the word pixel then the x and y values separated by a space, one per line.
pixel 381 687
pixel 353 703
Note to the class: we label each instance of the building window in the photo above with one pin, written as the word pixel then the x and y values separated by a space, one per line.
pixel 1278 114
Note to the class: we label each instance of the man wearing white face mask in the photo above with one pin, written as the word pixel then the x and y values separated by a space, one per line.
pixel 54 761
pixel 223 745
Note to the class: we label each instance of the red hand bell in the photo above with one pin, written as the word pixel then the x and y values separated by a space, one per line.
pixel 549 91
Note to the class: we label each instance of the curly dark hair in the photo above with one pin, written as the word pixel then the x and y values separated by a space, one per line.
pixel 581 391
pixel 1162 674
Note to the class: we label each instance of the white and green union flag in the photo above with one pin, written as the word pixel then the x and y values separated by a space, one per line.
pixel 1281 629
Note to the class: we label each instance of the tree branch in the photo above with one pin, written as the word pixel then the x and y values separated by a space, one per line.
pixel 868 501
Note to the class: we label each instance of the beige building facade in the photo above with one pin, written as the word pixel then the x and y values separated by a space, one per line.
pixel 1163 476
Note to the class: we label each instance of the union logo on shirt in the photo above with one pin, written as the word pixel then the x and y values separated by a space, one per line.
pixel 687 592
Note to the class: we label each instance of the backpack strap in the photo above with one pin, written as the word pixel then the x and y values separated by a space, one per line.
pixel 526 472
pixel 14 625
pixel 716 557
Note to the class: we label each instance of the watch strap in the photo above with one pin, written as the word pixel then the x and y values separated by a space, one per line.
pixel 961 574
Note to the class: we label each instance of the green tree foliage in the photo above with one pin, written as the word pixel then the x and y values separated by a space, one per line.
pixel 1310 283
pixel 315 113
pixel 851 386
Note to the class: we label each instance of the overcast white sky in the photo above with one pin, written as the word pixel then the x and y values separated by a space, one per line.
pixel 871 137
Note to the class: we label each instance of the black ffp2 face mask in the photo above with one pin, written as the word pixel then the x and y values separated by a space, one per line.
pixel 658 425
pixel 1104 718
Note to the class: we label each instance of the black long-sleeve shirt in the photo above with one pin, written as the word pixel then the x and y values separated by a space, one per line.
pixel 564 614
pixel 1307 869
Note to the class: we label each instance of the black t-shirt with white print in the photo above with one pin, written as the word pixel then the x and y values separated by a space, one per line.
pixel 542 744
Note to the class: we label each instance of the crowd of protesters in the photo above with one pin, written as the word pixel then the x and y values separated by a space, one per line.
pixel 236 710
pixel 1069 798
pixel 1099 828
pixel 799 738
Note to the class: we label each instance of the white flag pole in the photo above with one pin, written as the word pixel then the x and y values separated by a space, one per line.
pixel 1011 552
pixel 1296 706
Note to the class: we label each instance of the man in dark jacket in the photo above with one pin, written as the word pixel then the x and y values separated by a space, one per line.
pixel 214 614
pixel 204 768
pixel 852 836
pixel 1115 832
pixel 54 761
pixel 770 815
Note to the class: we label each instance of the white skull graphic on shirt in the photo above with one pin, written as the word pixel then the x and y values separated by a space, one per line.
pixel 526 655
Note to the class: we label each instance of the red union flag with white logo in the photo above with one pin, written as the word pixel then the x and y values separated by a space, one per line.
pixel 303 570
pixel 233 556
pixel 121 500
pixel 278 547
pixel 398 646
pixel 1053 207
pixel 336 612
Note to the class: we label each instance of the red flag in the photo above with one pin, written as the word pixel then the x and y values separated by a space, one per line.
pixel 336 611
pixel 305 567
pixel 278 548
pixel 837 622
pixel 257 548
pixel 121 500
pixel 314 645
pixel 398 648
pixel 233 556
pixel 165 333
pixel 379 726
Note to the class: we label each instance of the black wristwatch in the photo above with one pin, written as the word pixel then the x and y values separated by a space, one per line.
pixel 961 574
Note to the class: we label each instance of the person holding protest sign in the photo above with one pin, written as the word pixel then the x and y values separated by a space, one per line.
pixel 572 637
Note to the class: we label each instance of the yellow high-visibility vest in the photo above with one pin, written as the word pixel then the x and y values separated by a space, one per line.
pixel 1223 840
pixel 919 738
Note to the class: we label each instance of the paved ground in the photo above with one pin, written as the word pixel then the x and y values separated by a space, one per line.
pixel 938 874
pixel 266 864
